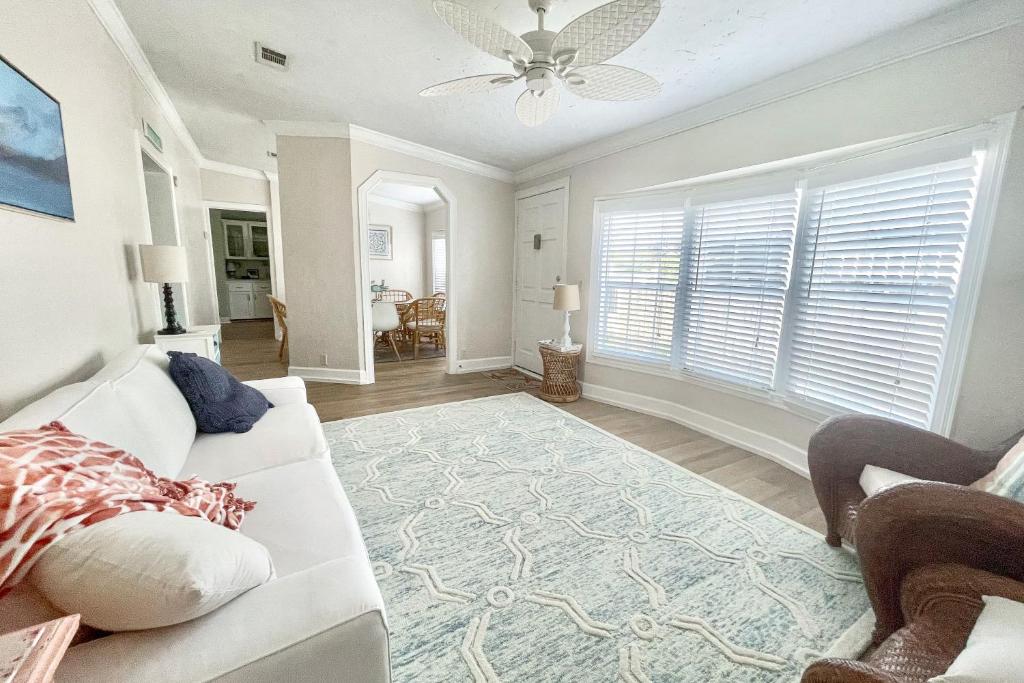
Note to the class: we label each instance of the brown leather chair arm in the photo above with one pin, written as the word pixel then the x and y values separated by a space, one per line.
pixel 913 525
pixel 842 446
pixel 845 671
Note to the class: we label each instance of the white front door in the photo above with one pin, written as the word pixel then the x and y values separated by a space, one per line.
pixel 540 264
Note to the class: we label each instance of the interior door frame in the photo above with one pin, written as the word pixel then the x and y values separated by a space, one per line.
pixel 210 257
pixel 156 156
pixel 562 183
pixel 364 311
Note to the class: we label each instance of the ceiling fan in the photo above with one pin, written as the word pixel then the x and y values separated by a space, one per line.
pixel 572 56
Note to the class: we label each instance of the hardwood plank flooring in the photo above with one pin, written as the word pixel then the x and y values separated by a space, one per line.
pixel 250 352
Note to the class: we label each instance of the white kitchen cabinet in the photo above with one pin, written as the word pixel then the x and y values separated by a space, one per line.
pixel 247 299
pixel 261 307
pixel 246 240
pixel 203 340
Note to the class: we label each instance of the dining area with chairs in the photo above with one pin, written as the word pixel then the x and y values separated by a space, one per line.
pixel 406 325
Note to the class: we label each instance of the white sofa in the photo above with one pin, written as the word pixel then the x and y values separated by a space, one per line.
pixel 322 617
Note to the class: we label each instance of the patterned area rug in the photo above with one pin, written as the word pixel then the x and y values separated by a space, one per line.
pixel 516 542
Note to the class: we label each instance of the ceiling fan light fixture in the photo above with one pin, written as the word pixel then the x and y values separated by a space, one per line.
pixel 539 79
pixel 575 55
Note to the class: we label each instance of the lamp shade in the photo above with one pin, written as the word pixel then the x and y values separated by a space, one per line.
pixel 163 264
pixel 567 298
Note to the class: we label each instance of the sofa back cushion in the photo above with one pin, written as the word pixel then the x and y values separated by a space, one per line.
pixel 143 389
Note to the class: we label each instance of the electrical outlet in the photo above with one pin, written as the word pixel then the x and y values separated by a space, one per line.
pixel 323 360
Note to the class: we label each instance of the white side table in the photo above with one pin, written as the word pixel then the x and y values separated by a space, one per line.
pixel 202 340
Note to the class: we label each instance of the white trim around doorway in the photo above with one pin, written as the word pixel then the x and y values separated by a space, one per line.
pixel 364 311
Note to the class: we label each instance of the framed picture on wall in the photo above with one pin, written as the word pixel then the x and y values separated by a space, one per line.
pixel 380 242
pixel 33 161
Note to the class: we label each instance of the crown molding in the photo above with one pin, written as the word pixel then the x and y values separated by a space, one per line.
pixel 413 149
pixel 440 203
pixel 957 25
pixel 308 129
pixel 232 169
pixel 396 203
pixel 113 21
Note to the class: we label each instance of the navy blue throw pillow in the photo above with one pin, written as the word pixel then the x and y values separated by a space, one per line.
pixel 219 402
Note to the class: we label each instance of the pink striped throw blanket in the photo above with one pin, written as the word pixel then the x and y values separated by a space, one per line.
pixel 53 482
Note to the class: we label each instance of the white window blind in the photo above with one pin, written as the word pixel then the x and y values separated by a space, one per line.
pixel 738 257
pixel 876 283
pixel 638 273
pixel 438 264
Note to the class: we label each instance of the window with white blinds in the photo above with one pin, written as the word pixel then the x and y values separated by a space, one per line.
pixel 833 289
pixel 638 271
pixel 438 264
pixel 875 295
pixel 737 266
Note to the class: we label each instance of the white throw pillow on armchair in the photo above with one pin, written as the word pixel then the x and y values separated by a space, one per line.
pixel 143 570
pixel 995 648
pixel 874 479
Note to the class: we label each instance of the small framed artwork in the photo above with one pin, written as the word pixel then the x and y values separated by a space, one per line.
pixel 380 242
pixel 33 161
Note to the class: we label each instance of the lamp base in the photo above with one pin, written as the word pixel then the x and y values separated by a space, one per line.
pixel 566 341
pixel 178 329
pixel 173 326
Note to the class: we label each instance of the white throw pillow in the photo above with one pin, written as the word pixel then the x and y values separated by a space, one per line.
pixel 995 648
pixel 874 479
pixel 146 569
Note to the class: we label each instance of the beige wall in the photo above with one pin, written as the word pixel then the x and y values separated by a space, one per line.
pixel 234 189
pixel 960 84
pixel 408 246
pixel 484 237
pixel 316 232
pixel 73 297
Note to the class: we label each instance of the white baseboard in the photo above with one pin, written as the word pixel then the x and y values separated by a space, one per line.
pixel 483 364
pixel 336 375
pixel 786 454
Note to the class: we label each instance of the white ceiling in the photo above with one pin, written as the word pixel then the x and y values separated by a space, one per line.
pixel 364 63
pixel 411 194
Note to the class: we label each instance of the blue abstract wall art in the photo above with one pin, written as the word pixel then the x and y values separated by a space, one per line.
pixel 33 161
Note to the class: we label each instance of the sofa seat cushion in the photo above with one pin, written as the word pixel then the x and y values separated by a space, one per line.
pixel 303 517
pixel 286 434
pixel 876 479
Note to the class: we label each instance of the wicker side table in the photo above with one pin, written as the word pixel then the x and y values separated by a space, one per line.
pixel 559 384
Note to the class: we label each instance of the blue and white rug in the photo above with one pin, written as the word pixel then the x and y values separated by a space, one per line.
pixel 515 542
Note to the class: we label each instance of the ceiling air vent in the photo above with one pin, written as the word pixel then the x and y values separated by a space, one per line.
pixel 264 55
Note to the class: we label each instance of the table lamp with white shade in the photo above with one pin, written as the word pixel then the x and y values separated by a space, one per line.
pixel 567 298
pixel 165 265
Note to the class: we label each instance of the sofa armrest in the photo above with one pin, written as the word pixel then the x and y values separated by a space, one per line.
pixel 333 609
pixel 281 391
pixel 914 525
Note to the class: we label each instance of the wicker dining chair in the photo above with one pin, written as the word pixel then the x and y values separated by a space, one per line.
pixel 439 295
pixel 425 318
pixel 281 313
pixel 393 295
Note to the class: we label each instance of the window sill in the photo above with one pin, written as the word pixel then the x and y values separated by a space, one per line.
pixel 762 396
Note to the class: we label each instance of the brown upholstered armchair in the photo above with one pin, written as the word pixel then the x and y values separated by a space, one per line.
pixel 928 552
pixel 841 447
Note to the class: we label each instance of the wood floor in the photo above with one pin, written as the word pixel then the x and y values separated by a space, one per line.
pixel 250 352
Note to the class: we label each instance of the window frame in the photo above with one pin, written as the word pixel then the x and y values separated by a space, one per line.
pixel 993 135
